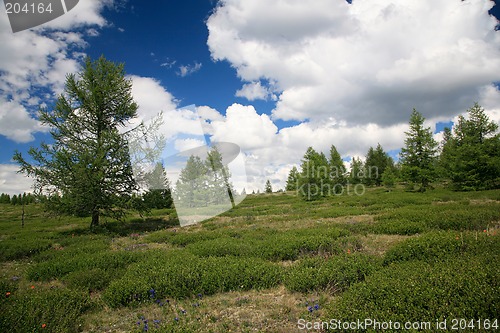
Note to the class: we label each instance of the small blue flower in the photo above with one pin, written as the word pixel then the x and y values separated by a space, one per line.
pixel 176 319
pixel 200 295
pixel 156 321
pixel 316 307
pixel 146 327
pixel 139 322
pixel 310 309
pixel 152 293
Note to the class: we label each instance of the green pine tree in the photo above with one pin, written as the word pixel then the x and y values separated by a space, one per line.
pixel 336 170
pixel 314 181
pixel 220 187
pixel 357 173
pixel 292 180
pixel 377 160
pixel 418 156
pixel 472 154
pixel 87 169
pixel 192 186
pixel 268 188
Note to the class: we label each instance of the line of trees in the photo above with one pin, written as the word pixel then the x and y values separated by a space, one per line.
pixel 87 168
pixel 467 159
pixel 19 199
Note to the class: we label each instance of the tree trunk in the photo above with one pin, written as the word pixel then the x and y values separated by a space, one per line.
pixel 95 219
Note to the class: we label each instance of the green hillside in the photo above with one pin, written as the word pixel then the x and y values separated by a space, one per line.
pixel 275 263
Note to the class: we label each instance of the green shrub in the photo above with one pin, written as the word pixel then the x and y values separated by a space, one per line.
pixel 441 245
pixel 59 267
pixel 22 247
pixel 450 216
pixel 184 238
pixel 73 247
pixel 221 247
pixel 466 287
pixel 93 279
pixel 269 244
pixel 179 274
pixel 398 227
pixel 58 309
pixel 292 246
pixel 336 273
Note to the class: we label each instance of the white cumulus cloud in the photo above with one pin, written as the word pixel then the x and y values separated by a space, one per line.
pixel 253 91
pixel 369 62
pixel 36 61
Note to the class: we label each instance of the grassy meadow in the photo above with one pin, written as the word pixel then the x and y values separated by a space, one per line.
pixel 260 267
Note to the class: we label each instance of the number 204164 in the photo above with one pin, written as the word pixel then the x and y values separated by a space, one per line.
pixel 32 8
pixel 474 324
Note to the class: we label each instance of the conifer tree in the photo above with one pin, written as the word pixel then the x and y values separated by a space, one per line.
pixel 293 179
pixel 471 156
pixel 86 169
pixel 418 156
pixel 336 170
pixel 357 172
pixel 268 188
pixel 314 181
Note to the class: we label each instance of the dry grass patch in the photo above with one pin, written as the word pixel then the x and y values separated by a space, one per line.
pixel 274 310
pixel 378 244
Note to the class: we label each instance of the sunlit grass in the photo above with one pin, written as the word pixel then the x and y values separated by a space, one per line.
pixel 254 268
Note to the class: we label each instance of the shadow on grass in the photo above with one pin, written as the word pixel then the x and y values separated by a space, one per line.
pixel 138 225
pixel 127 227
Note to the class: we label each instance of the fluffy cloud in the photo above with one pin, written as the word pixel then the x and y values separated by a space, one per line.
pixel 246 128
pixel 369 62
pixel 35 62
pixel 11 182
pixel 208 113
pixel 151 97
pixel 186 144
pixel 253 91
pixel 16 123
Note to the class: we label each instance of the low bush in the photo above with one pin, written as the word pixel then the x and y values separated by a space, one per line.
pixel 221 247
pixel 59 267
pixel 449 216
pixel 412 291
pixel 70 247
pixel 398 227
pixel 273 245
pixel 95 279
pixel 291 247
pixel 22 247
pixel 441 245
pixel 335 273
pixel 179 274
pixel 50 310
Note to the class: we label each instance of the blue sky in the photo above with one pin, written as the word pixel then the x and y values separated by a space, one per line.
pixel 273 77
